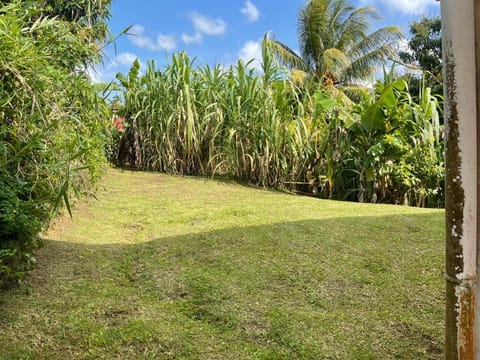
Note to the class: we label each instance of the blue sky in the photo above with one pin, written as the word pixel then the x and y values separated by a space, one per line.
pixel 217 31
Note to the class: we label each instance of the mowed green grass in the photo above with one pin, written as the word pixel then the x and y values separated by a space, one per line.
pixel 165 267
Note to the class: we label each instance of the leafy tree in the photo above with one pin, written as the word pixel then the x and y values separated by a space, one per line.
pixel 335 42
pixel 52 126
pixel 426 52
pixel 87 23
pixel 86 13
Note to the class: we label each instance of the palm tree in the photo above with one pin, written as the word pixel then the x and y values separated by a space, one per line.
pixel 335 44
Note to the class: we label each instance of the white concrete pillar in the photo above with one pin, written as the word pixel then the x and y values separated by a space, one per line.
pixel 459 56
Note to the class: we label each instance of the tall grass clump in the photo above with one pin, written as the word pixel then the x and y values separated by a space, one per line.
pixel 279 129
pixel 203 120
pixel 52 125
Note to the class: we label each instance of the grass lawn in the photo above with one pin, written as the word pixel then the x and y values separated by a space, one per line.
pixel 164 267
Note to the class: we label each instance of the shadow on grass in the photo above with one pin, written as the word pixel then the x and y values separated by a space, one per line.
pixel 342 288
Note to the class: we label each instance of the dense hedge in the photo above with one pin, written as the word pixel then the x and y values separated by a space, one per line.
pixel 52 123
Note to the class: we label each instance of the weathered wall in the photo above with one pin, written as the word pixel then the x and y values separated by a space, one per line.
pixel 461 182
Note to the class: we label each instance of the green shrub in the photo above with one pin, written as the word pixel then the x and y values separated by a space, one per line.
pixel 52 126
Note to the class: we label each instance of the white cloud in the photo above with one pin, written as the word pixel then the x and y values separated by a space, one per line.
pixel 96 76
pixel 411 7
pixel 250 11
pixel 192 39
pixel 136 30
pixel 208 26
pixel 204 25
pixel 107 72
pixel 252 50
pixel 165 42
pixel 125 59
pixel 162 42
pixel 403 46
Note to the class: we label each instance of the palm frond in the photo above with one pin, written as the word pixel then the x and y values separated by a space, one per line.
pixel 313 35
pixel 362 68
pixel 335 61
pixel 354 28
pixel 285 55
pixel 387 36
pixel 371 52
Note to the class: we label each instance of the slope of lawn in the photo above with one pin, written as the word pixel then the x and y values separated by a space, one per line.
pixel 164 267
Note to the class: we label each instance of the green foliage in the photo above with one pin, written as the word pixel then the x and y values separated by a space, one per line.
pixel 426 51
pixel 206 120
pixel 20 221
pixel 51 127
pixel 271 131
pixel 394 152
